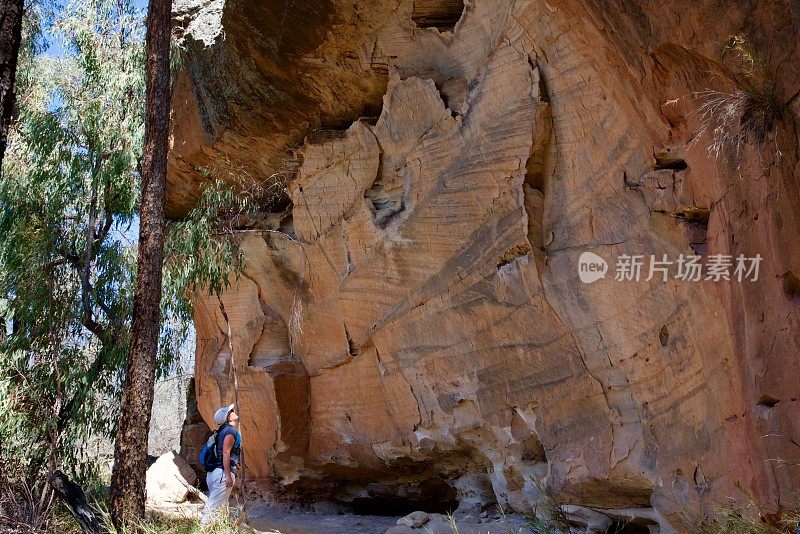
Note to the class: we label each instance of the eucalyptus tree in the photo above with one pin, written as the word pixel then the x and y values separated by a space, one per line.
pixel 69 193
pixel 130 450
pixel 69 204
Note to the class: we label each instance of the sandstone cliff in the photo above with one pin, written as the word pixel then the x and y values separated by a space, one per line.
pixel 410 325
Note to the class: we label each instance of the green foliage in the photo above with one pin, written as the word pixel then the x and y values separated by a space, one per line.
pixel 540 526
pixel 451 522
pixel 69 200
pixel 548 517
pixel 68 209
pixel 199 255
pixel 752 72
pixel 69 189
pixel 199 252
pixel 61 520
pixel 744 520
pixel 162 524
pixel 762 107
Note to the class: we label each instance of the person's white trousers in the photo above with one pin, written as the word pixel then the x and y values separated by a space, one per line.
pixel 218 494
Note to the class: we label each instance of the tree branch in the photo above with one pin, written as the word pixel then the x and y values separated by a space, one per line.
pixel 102 232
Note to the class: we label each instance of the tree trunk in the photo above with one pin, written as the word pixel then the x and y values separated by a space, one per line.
pixel 10 39
pixel 130 451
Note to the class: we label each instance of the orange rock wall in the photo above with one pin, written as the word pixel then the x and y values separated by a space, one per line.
pixel 415 322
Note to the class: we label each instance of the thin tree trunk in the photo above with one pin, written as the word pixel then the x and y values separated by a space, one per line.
pixel 240 474
pixel 10 39
pixel 130 451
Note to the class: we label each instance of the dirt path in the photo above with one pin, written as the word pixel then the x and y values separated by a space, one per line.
pixel 270 519
pixel 266 519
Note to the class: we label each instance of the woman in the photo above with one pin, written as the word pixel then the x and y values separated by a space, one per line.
pixel 222 478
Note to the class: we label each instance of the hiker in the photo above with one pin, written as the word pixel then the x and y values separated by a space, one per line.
pixel 221 479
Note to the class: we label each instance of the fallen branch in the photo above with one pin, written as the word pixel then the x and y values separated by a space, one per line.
pixel 194 492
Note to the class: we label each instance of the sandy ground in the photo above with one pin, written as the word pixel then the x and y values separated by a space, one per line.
pixel 268 519
pixel 274 520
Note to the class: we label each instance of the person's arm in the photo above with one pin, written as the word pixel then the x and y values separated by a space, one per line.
pixel 227 447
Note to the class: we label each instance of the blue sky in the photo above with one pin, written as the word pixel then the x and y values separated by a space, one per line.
pixel 128 235
pixel 55 47
pixel 125 233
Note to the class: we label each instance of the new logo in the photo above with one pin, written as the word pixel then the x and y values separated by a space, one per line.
pixel 591 267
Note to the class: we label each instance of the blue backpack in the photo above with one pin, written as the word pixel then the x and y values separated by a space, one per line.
pixel 208 454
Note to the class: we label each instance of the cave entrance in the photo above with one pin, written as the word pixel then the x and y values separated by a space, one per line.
pixel 398 506
pixel 432 496
pixel 627 528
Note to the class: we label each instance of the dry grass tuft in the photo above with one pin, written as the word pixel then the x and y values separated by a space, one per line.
pixel 24 509
pixel 747 520
pixel 754 109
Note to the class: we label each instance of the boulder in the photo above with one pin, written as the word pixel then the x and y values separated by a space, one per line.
pixel 168 478
pixel 414 520
pixel 595 522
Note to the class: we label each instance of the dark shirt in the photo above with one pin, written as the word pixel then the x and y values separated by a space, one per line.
pixel 228 430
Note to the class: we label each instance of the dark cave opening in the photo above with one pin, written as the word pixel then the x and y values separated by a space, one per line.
pixel 431 496
pixel 627 528
pixel 398 506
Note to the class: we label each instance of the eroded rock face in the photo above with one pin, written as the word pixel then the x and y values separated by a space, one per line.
pixel 257 77
pixel 417 329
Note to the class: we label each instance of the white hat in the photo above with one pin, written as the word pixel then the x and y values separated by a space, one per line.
pixel 221 415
